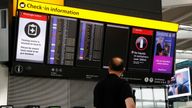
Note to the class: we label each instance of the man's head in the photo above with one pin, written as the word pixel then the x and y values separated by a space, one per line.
pixel 116 64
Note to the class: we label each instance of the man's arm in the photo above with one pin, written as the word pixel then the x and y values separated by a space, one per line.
pixel 130 102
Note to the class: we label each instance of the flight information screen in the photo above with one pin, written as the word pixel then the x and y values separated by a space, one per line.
pixel 90 43
pixel 116 43
pixel 62 41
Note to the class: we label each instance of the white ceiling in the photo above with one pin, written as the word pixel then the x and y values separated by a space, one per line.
pixel 180 11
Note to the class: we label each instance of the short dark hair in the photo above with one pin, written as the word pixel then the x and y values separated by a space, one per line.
pixel 116 65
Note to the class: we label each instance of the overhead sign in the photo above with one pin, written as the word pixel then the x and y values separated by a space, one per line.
pixel 95 15
pixel 31 37
pixel 57 2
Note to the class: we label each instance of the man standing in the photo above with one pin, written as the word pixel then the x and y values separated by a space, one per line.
pixel 114 92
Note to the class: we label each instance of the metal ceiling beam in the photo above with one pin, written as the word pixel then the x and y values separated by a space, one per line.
pixel 190 48
pixel 175 3
pixel 183 56
pixel 166 9
pixel 187 23
pixel 183 42
pixel 182 17
pixel 183 34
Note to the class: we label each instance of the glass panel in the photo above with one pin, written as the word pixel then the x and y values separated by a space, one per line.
pixel 147 94
pixel 160 105
pixel 139 104
pixel 137 93
pixel 148 105
pixel 159 94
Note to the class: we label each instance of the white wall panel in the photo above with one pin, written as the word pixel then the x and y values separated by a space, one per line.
pixel 3 84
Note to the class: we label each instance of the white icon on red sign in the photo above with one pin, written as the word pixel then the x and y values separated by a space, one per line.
pixel 141 43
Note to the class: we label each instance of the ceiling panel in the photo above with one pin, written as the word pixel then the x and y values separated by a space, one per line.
pixel 187 44
pixel 181 14
pixel 178 14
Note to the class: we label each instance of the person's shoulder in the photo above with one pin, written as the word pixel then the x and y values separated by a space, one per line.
pixel 98 86
pixel 124 81
pixel 100 82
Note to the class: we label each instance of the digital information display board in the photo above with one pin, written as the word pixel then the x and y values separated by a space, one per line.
pixel 90 44
pixel 74 43
pixel 116 43
pixel 31 37
pixel 62 40
pixel 140 53
pixel 164 52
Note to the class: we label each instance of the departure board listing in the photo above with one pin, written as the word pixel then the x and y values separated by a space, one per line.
pixel 90 41
pixel 31 37
pixel 164 52
pixel 140 49
pixel 62 40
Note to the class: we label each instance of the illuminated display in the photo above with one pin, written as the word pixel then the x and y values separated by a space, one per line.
pixel 180 84
pixel 90 41
pixel 96 15
pixel 62 40
pixel 57 2
pixel 31 37
pixel 164 52
pixel 79 43
pixel 140 53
